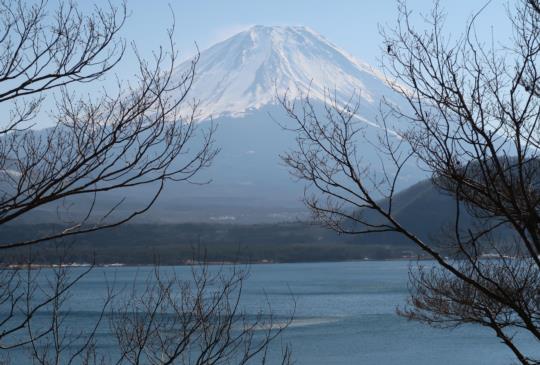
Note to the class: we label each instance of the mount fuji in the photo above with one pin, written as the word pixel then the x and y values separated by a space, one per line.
pixel 245 72
pixel 236 86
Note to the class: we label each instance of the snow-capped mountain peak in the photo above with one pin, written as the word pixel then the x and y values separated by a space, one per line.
pixel 246 71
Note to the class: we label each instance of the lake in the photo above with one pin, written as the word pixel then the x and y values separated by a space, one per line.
pixel 345 314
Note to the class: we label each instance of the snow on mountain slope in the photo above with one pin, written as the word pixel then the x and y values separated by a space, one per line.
pixel 236 83
pixel 248 70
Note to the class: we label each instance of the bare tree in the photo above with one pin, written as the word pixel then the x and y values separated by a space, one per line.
pixel 472 113
pixel 34 310
pixel 143 134
pixel 164 318
pixel 171 320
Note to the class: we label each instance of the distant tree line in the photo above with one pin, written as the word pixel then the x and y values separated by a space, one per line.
pixel 174 244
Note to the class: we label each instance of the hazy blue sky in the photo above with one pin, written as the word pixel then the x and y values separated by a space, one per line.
pixel 350 24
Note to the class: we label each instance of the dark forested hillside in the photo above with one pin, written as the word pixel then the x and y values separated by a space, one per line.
pixel 422 208
pixel 179 243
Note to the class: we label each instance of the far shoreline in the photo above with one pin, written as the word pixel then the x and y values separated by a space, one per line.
pixel 199 263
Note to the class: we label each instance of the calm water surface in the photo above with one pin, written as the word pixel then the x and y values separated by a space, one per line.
pixel 345 314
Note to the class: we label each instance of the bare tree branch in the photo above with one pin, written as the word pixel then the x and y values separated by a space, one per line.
pixel 472 113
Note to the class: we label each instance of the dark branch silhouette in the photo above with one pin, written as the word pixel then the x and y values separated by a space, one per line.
pixel 143 134
pixel 471 121
pixel 164 318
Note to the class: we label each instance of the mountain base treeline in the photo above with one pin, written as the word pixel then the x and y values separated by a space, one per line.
pixel 171 244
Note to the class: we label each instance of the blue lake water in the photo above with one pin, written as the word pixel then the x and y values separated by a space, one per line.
pixel 345 314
